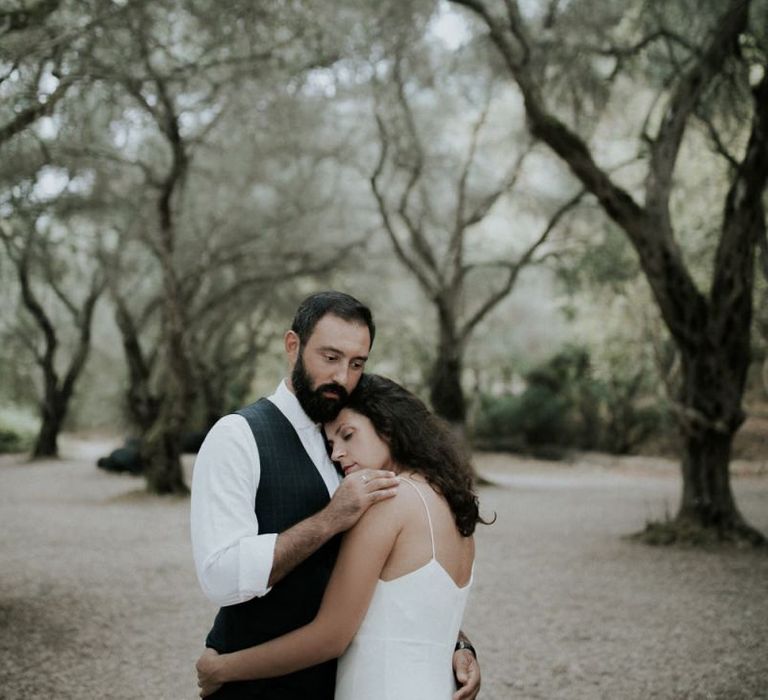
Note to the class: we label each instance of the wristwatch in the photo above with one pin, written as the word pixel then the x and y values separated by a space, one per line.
pixel 462 644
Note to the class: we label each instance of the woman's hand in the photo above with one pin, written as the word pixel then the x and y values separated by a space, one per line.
pixel 207 672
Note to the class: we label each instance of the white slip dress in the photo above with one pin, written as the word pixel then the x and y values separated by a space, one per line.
pixel 404 647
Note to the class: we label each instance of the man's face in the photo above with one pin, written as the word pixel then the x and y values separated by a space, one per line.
pixel 329 366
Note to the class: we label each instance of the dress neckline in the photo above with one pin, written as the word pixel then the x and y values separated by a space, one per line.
pixel 433 560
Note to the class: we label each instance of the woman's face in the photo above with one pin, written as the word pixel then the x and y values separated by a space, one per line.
pixel 356 445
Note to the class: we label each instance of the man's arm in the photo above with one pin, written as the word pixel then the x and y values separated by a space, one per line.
pixel 363 553
pixel 234 561
pixel 467 670
pixel 232 558
pixel 355 495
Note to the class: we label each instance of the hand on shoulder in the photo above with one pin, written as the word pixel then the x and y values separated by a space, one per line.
pixel 357 493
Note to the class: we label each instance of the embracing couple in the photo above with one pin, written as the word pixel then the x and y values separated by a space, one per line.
pixel 268 511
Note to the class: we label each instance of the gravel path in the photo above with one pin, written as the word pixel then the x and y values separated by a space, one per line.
pixel 98 597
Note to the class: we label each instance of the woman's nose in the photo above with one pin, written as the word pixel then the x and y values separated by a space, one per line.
pixel 337 453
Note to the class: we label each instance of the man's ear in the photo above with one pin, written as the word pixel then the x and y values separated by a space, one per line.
pixel 292 345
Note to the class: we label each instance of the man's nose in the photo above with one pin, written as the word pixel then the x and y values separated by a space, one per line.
pixel 341 373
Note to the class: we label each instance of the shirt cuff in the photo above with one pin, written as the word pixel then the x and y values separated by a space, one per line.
pixel 256 557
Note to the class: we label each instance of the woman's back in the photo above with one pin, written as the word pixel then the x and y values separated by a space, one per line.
pixel 404 646
pixel 421 509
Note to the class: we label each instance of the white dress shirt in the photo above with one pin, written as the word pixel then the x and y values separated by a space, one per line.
pixel 233 561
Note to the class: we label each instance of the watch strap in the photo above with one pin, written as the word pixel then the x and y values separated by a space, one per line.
pixel 462 644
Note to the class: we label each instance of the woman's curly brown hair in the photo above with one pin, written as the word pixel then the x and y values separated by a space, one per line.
pixel 420 441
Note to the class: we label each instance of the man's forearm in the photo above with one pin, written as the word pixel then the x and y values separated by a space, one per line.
pixel 465 669
pixel 299 542
pixel 353 497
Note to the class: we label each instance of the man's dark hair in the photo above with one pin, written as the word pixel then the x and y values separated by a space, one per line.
pixel 314 307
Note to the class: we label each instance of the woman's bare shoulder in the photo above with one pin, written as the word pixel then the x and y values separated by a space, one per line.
pixel 392 511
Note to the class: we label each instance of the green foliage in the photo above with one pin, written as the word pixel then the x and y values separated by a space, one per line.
pixel 11 441
pixel 565 405
pixel 17 430
pixel 534 418
pixel 626 418
pixel 602 259
pixel 541 415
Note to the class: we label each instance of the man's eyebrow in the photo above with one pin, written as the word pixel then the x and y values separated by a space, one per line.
pixel 330 348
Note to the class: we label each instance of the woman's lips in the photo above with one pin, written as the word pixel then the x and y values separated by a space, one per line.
pixel 349 468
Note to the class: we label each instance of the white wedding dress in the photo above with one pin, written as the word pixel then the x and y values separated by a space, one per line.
pixel 404 647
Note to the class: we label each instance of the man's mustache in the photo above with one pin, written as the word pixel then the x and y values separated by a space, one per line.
pixel 337 389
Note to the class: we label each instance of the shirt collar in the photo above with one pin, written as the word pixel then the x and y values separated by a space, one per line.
pixel 290 407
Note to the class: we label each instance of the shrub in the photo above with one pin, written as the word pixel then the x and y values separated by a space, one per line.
pixel 11 441
pixel 564 405
pixel 538 417
pixel 17 430
pixel 544 416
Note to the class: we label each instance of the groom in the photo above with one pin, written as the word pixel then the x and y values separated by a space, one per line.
pixel 268 504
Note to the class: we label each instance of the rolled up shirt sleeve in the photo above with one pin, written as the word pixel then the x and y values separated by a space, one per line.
pixel 232 559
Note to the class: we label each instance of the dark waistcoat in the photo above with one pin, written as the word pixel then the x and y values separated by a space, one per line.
pixel 290 489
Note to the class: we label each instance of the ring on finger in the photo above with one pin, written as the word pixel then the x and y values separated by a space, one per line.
pixel 364 477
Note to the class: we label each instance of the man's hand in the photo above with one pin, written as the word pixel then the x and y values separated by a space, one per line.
pixel 207 666
pixel 467 672
pixel 358 492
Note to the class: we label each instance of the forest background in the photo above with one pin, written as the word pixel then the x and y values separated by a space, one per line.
pixel 555 209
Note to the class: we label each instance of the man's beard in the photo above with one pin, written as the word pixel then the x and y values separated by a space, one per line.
pixel 319 408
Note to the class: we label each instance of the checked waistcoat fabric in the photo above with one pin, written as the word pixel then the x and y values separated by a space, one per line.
pixel 290 490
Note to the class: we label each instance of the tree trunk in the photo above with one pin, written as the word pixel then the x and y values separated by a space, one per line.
pixel 55 402
pixel 161 452
pixel 713 383
pixel 445 391
pixel 764 376
pixel 162 443
pixel 707 500
pixel 715 368
pixel 52 417
pixel 707 504
pixel 142 404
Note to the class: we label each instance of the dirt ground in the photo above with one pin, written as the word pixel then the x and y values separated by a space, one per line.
pixel 98 596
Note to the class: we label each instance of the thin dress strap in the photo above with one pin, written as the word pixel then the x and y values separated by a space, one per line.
pixel 426 507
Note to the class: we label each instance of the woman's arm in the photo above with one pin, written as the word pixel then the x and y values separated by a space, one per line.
pixel 364 551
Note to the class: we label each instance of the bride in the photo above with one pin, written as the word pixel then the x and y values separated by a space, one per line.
pixel 393 607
